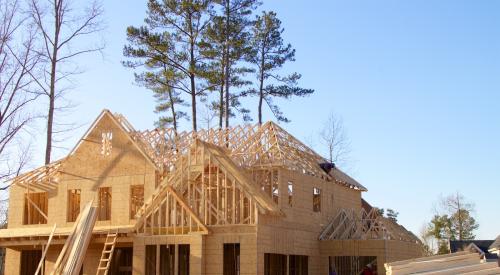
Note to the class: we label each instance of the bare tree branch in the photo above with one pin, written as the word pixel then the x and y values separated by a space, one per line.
pixel 63 30
pixel 17 71
pixel 334 138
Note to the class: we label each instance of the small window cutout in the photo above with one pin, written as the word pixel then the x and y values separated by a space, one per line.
pixel 104 210
pixel 316 199
pixel 107 137
pixel 74 197
pixel 136 199
pixel 276 193
pixel 35 208
pixel 290 193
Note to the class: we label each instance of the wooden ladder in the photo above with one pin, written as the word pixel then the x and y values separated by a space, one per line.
pixel 107 253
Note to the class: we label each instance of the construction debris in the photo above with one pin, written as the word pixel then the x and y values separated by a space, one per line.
pixel 467 262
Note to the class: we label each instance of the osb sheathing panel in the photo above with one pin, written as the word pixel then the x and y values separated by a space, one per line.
pixel 333 197
pixel 125 159
pixel 297 233
pixel 384 250
pixel 214 249
pixel 12 261
pixel 87 169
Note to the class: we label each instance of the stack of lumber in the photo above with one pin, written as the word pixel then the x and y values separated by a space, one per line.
pixel 466 262
pixel 70 259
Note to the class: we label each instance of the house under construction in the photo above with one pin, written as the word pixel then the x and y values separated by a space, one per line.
pixel 246 200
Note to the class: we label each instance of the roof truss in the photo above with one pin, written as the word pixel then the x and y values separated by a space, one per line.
pixel 249 146
pixel 363 225
pixel 43 178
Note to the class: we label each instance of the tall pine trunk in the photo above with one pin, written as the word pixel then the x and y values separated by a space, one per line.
pixel 193 101
pixel 261 98
pixel 261 83
pixel 172 107
pixel 226 75
pixel 192 69
pixel 221 106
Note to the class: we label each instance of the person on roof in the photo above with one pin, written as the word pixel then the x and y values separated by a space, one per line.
pixel 367 270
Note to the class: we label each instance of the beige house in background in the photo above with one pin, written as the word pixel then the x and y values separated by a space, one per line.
pixel 246 200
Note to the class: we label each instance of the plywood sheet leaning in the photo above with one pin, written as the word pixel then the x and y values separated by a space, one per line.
pixel 73 252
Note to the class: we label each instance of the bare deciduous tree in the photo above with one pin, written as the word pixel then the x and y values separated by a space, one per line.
pixel 17 62
pixel 334 138
pixel 62 30
pixel 207 115
pixel 460 213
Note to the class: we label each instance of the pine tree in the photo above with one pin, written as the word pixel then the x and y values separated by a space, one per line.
pixel 173 35
pixel 440 229
pixel 147 50
pixel 226 42
pixel 270 54
pixel 456 223
pixel 392 215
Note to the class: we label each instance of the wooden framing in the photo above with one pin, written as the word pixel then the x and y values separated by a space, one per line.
pixel 249 186
pixel 44 178
pixel 356 225
pixel 172 216
pixel 104 203
pixel 248 146
pixel 136 199
pixel 35 208
pixel 44 253
pixel 74 200
pixel 214 190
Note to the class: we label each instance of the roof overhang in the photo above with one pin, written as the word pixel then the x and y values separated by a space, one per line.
pixel 38 235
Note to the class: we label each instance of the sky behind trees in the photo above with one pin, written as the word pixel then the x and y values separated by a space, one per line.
pixel 417 84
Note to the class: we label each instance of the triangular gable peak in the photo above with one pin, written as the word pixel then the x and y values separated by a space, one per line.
pixel 171 216
pixel 216 190
pixel 106 149
pixel 217 157
pixel 47 177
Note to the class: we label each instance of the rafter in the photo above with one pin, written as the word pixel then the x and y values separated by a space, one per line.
pixel 43 178
pixel 362 225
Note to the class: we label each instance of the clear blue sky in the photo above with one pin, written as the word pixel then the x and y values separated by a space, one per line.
pixel 416 82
